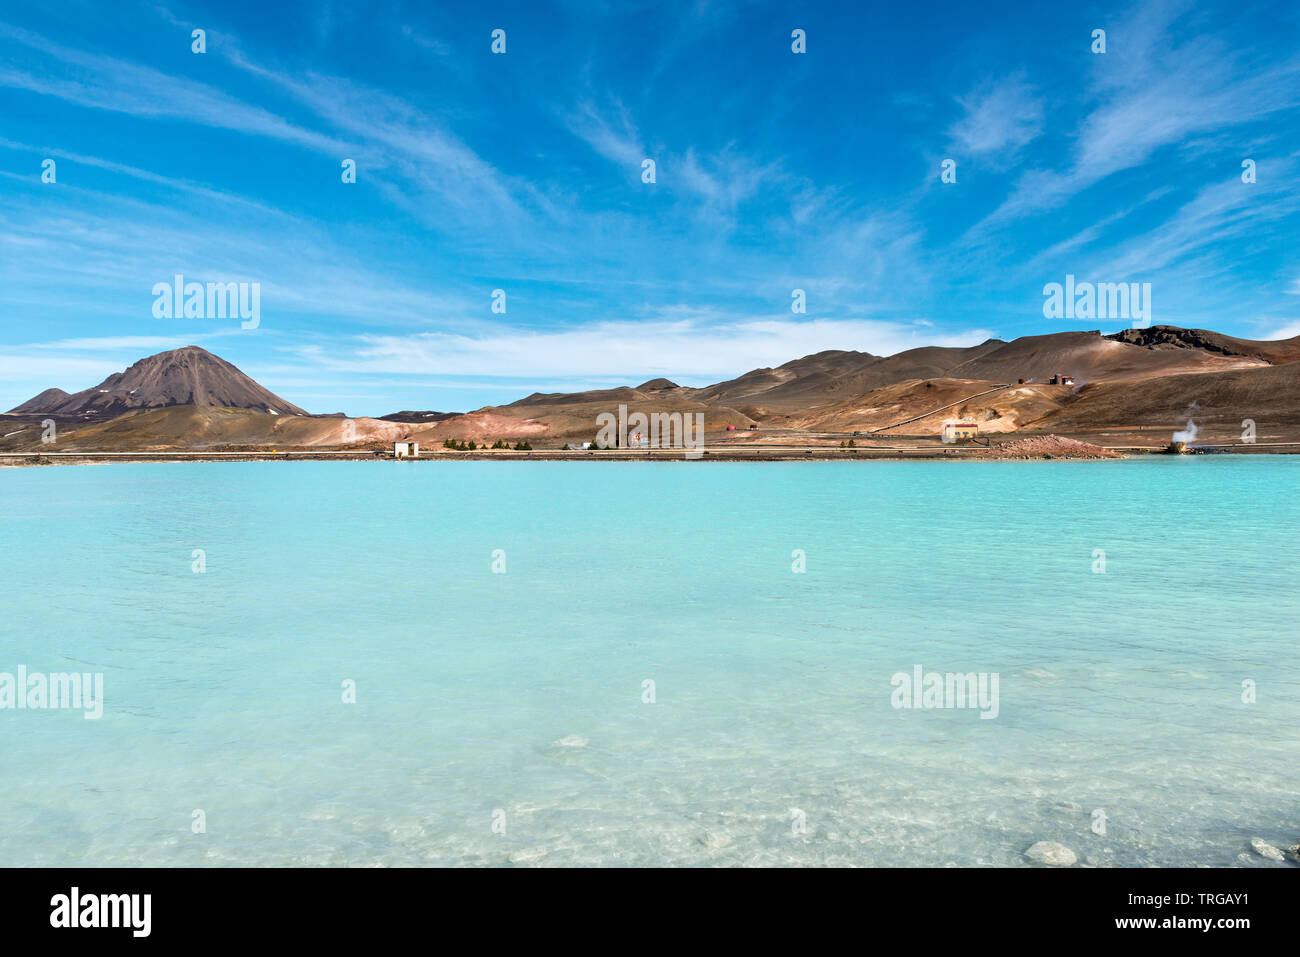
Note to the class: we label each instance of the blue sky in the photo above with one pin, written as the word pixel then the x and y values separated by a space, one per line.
pixel 774 171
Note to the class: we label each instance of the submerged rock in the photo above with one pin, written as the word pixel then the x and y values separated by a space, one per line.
pixel 529 855
pixel 571 741
pixel 1049 852
pixel 715 842
pixel 1265 849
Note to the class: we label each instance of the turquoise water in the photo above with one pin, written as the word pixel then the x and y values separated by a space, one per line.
pixel 1119 692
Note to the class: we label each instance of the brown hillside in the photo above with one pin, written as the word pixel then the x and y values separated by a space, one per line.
pixel 1088 356
pixel 186 376
pixel 1270 395
pixel 192 427
pixel 1277 352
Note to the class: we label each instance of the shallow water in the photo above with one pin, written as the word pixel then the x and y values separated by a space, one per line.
pixel 1119 692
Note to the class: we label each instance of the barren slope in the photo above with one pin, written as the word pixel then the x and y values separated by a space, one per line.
pixel 186 376
pixel 1277 352
pixel 191 427
pixel 1269 395
pixel 1088 356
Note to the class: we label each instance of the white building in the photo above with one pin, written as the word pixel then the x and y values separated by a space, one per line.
pixel 406 450
pixel 959 431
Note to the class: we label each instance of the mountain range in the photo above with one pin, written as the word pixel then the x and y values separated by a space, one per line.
pixel 1136 382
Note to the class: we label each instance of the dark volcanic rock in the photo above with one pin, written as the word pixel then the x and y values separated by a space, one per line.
pixel 409 416
pixel 186 376
pixel 1278 352
pixel 49 399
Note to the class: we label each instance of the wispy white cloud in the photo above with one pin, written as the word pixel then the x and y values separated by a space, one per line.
pixel 1000 118
pixel 1217 213
pixel 1288 330
pixel 112 249
pixel 440 47
pixel 131 344
pixel 146 176
pixel 1153 88
pixel 398 135
pixel 726 180
pixel 24 374
pixel 686 349
pixel 612 136
pixel 107 83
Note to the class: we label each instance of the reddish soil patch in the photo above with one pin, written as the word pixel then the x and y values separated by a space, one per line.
pixel 1050 447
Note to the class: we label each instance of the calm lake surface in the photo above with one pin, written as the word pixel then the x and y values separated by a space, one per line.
pixel 503 718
